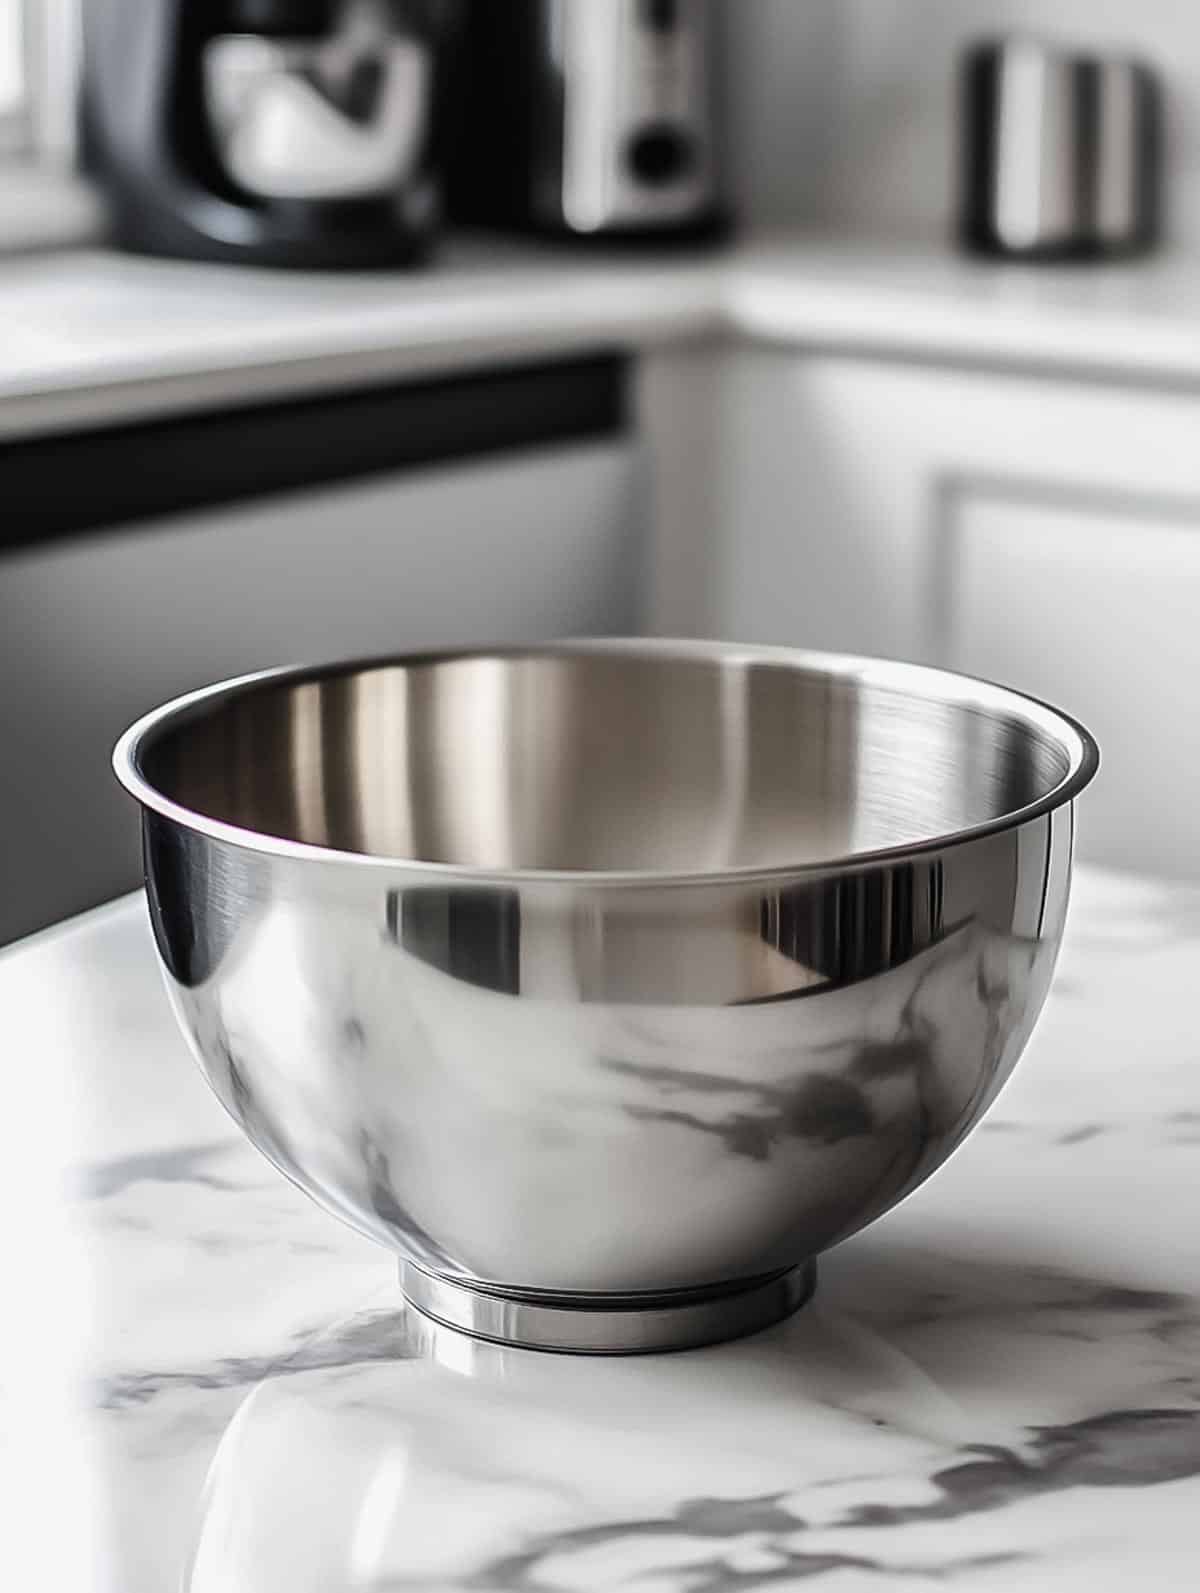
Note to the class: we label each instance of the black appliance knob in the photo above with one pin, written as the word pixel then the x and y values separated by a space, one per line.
pixel 659 155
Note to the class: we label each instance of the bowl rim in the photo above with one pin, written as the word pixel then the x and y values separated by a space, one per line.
pixel 970 691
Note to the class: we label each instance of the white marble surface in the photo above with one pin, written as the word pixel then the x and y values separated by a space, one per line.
pixel 998 1386
pixel 92 336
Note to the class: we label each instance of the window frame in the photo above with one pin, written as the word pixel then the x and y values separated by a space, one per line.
pixel 14 133
pixel 42 124
pixel 15 137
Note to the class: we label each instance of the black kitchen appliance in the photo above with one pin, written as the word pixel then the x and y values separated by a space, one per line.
pixel 588 117
pixel 280 132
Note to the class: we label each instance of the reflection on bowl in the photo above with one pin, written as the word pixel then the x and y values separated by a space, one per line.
pixel 607 983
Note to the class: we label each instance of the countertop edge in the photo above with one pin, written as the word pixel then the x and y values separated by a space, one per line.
pixel 87 354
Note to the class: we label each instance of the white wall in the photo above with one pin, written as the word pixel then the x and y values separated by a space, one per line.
pixel 842 112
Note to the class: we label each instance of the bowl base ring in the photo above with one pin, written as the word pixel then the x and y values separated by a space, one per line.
pixel 599 1324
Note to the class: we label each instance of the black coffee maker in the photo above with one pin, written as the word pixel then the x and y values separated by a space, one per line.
pixel 278 132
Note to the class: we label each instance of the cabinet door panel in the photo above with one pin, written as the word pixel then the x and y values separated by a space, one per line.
pixel 1098 610
pixel 1040 530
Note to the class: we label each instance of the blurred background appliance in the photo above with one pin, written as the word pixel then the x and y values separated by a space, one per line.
pixel 1061 152
pixel 282 132
pixel 588 117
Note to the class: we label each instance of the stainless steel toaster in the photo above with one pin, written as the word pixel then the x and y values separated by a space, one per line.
pixel 1061 151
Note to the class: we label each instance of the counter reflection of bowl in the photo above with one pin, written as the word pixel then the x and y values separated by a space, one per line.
pixel 609 982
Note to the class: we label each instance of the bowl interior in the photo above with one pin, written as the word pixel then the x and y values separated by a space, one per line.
pixel 610 760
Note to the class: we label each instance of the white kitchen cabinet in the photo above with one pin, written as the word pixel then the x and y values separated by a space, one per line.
pixel 1041 531
pixel 1118 591
pixel 95 631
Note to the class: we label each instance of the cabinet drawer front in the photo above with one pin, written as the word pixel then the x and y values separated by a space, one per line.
pixel 93 633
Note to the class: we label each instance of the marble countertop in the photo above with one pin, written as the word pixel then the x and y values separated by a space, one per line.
pixel 208 1383
pixel 95 337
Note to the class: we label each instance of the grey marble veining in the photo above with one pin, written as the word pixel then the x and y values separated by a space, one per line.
pixel 998 1386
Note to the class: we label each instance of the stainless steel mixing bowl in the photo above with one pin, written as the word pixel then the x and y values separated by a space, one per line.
pixel 610 982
